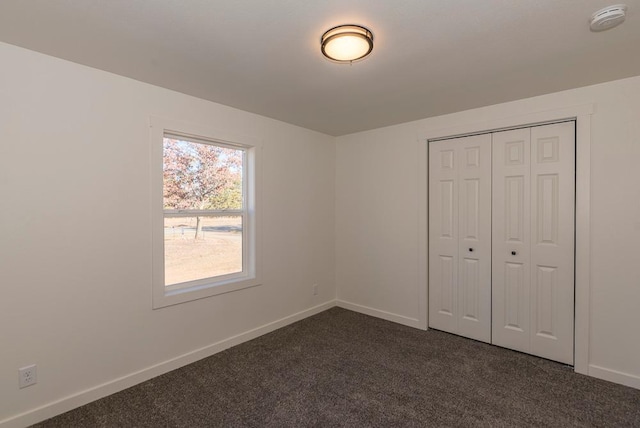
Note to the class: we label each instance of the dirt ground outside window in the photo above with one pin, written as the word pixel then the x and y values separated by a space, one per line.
pixel 218 251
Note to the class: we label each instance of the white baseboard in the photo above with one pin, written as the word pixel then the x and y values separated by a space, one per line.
pixel 84 397
pixel 614 376
pixel 389 316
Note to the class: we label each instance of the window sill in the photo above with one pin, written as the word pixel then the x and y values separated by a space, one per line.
pixel 200 290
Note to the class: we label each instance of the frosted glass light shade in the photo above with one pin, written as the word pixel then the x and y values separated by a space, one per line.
pixel 347 43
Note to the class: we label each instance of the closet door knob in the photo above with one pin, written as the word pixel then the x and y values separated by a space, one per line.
pixel 513 253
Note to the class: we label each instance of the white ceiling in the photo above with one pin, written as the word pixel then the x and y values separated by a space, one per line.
pixel 430 57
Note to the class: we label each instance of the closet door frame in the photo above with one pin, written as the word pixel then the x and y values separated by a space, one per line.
pixel 500 122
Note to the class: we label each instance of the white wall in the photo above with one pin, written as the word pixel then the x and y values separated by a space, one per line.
pixel 74 167
pixel 75 252
pixel 377 206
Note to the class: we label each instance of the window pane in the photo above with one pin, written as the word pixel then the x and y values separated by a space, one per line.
pixel 201 176
pixel 201 247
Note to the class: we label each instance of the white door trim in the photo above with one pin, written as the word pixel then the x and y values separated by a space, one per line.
pixel 582 115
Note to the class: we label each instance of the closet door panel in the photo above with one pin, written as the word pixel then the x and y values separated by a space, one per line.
pixel 511 239
pixel 474 269
pixel 552 246
pixel 460 236
pixel 443 236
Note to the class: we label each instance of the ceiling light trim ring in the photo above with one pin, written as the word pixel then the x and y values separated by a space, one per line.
pixel 341 31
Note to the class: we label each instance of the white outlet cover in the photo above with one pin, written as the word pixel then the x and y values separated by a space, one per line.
pixel 27 376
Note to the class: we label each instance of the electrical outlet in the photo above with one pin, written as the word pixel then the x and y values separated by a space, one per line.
pixel 315 289
pixel 27 376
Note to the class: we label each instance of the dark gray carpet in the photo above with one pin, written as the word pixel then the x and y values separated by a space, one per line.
pixel 343 369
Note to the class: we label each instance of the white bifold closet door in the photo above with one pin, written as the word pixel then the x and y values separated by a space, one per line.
pixel 533 240
pixel 460 236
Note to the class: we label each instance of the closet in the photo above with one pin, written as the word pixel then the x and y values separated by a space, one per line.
pixel 501 238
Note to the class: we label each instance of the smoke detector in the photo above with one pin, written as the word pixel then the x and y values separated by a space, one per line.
pixel 608 17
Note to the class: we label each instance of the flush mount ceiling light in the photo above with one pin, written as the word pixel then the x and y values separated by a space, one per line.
pixel 347 43
pixel 608 17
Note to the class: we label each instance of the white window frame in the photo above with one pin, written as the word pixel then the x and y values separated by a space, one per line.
pixel 205 287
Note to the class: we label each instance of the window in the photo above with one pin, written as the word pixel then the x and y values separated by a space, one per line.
pixel 204 219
